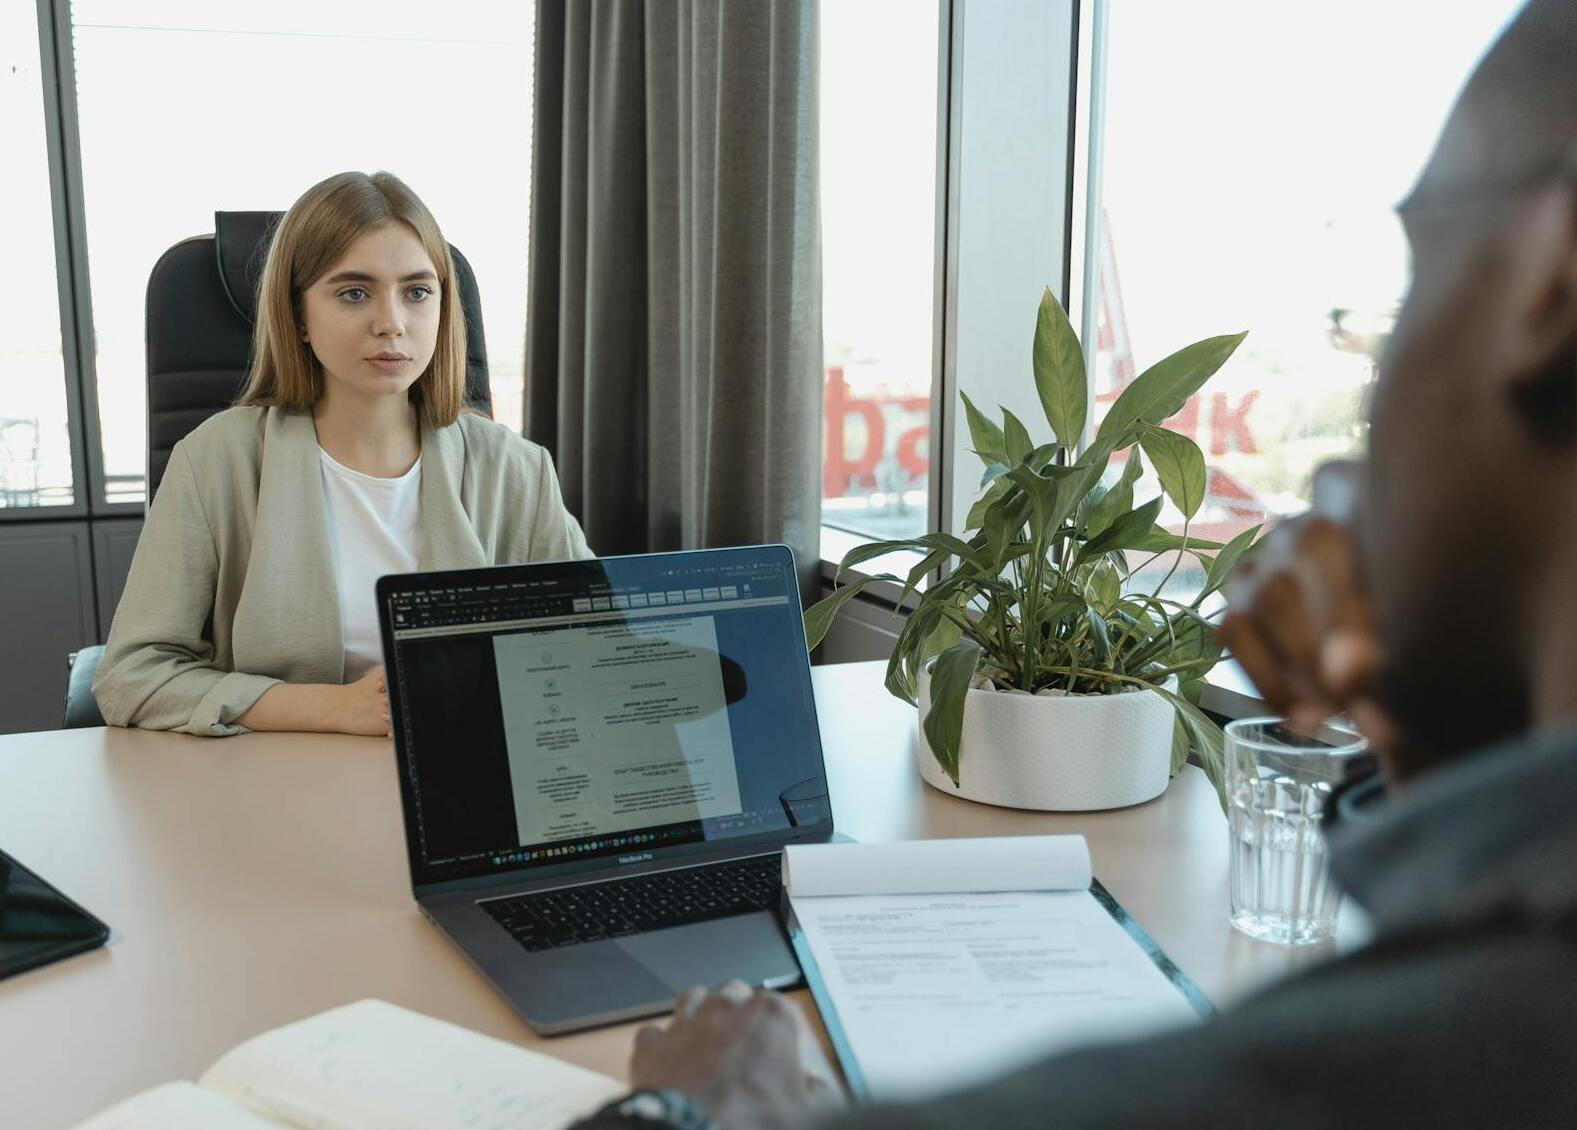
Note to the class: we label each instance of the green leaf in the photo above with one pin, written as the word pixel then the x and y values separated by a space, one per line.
pixel 1004 523
pixel 931 561
pixel 944 721
pixel 1207 740
pixel 1159 541
pixel 1118 499
pixel 1016 437
pixel 1104 588
pixel 984 434
pixel 943 636
pixel 1180 465
pixel 1099 636
pixel 1162 389
pixel 1179 744
pixel 1042 494
pixel 1221 567
pixel 1185 638
pixel 1196 639
pixel 1056 491
pixel 1085 475
pixel 992 473
pixel 957 547
pixel 1138 609
pixel 1043 455
pixel 1129 531
pixel 819 616
pixel 1059 372
pixel 977 513
pixel 902 666
pixel 862 553
pixel 1063 608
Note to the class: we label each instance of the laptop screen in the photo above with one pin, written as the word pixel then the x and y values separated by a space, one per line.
pixel 599 711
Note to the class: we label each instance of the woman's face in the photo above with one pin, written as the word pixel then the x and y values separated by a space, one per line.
pixel 372 320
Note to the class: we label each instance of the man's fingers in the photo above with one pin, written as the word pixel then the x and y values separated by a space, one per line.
pixel 1281 613
pixel 1337 489
pixel 1375 725
pixel 1349 662
pixel 1242 638
pixel 688 1000
pixel 646 1048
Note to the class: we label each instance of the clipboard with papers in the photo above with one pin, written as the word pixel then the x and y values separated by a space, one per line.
pixel 938 963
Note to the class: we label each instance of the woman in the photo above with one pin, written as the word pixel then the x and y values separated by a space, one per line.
pixel 249 605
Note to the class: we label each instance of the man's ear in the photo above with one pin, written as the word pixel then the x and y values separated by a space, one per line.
pixel 1540 370
pixel 1541 277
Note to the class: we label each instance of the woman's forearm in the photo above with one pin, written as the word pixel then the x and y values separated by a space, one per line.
pixel 313 707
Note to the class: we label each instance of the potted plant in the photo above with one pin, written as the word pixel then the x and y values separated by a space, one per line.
pixel 1045 676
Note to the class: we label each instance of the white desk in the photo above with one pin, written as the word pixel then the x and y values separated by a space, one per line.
pixel 252 881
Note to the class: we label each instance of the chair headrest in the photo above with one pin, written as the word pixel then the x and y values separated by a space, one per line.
pixel 241 242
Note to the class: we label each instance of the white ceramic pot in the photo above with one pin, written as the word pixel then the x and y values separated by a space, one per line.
pixel 1057 753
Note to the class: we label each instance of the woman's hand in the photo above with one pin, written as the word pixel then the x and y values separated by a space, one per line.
pixel 361 707
pixel 364 706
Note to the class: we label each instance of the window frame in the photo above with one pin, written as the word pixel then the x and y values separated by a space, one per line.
pixel 960 217
pixel 1228 690
pixel 58 94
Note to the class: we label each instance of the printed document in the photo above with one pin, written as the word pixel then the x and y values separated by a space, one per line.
pixel 615 726
pixel 945 962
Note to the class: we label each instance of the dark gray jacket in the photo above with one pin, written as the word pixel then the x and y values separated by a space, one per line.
pixel 1461 1012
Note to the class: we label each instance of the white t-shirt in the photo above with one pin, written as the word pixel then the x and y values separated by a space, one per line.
pixel 372 530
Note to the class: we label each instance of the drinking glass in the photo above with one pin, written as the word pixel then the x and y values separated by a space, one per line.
pixel 1277 784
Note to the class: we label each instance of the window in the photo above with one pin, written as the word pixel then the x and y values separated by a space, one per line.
pixel 35 433
pixel 254 103
pixel 1252 156
pixel 878 183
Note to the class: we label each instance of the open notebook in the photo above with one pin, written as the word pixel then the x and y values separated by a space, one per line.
pixel 368 1065
pixel 937 963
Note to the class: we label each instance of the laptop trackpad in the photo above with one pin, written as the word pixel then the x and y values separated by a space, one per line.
pixel 749 947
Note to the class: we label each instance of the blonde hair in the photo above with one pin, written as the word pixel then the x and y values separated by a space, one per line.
pixel 310 239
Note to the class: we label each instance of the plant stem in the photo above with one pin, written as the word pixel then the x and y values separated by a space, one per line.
pixel 1122 640
pixel 1182 549
pixel 1101 676
pixel 1146 563
pixel 1031 625
pixel 1186 665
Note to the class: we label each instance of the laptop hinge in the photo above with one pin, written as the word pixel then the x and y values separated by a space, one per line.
pixel 691 855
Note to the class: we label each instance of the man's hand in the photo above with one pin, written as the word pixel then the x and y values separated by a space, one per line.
pixel 745 1056
pixel 1299 618
pixel 364 706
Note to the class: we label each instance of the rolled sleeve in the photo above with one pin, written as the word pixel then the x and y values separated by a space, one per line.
pixel 159 670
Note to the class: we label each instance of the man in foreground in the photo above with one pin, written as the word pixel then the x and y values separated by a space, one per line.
pixel 1443 616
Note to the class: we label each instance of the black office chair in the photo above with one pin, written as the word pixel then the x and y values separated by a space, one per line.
pixel 202 299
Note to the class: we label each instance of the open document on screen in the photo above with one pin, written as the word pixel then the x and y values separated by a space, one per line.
pixel 615 726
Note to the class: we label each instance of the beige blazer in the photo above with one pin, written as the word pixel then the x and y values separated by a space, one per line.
pixel 232 588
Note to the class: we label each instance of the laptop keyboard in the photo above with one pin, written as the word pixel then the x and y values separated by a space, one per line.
pixel 571 915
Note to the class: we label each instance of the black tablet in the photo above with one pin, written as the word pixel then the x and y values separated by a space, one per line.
pixel 38 924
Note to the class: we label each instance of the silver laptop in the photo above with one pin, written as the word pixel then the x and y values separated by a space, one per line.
pixel 600 763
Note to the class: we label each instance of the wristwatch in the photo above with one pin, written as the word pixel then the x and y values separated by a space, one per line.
pixel 669 1109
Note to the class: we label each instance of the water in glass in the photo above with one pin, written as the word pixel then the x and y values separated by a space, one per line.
pixel 1277 786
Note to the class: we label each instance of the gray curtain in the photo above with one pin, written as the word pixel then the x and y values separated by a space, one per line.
pixel 674 353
